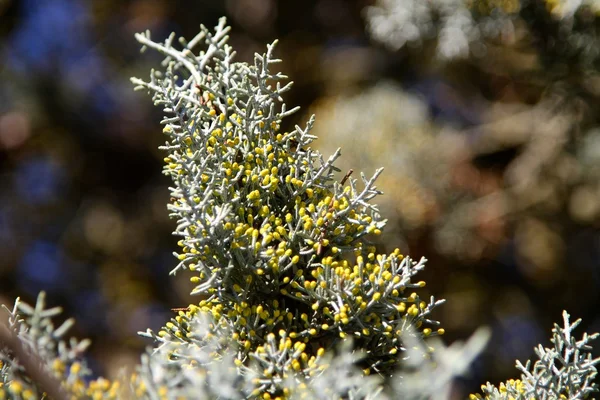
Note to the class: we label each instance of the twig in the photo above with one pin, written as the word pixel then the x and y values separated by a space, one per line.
pixel 33 364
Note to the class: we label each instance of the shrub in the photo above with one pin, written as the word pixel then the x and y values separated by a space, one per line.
pixel 296 302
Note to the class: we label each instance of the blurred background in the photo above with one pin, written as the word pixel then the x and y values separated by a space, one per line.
pixel 483 112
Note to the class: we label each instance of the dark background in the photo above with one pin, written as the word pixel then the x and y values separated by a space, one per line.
pixel 83 202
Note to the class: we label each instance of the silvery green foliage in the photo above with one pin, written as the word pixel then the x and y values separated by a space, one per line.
pixel 205 367
pixel 41 341
pixel 462 27
pixel 397 23
pixel 35 328
pixel 565 371
pixel 202 367
pixel 340 377
pixel 427 371
pixel 430 368
pixel 296 304
pixel 278 245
